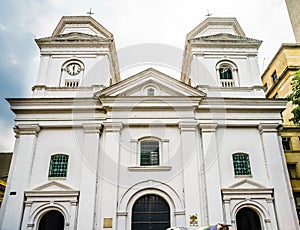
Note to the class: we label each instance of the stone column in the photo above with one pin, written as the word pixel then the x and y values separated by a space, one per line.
pixel 19 175
pixel 211 172
pixel 109 185
pixel 277 170
pixel 89 172
pixel 190 161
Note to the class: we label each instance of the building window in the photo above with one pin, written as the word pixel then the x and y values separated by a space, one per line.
pixel 292 170
pixel 241 164
pixel 286 143
pixel 149 152
pixel 227 73
pixel 58 165
pixel 274 76
pixel 150 92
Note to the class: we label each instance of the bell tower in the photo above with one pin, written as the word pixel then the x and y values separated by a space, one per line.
pixel 221 61
pixel 78 59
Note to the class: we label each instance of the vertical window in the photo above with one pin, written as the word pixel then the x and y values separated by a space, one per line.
pixel 241 164
pixel 286 143
pixel 274 76
pixel 292 170
pixel 150 92
pixel 58 165
pixel 149 152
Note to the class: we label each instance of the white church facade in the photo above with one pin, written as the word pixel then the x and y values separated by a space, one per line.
pixel 95 151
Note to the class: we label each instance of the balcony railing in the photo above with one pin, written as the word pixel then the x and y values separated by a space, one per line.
pixel 72 83
pixel 227 83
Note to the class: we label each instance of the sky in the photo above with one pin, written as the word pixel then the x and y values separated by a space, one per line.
pixel 132 22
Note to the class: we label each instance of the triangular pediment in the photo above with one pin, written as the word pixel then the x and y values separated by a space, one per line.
pixel 224 37
pixel 73 36
pixel 81 24
pixel 53 186
pixel 247 184
pixel 161 84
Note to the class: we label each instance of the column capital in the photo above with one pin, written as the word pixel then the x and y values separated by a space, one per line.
pixel 92 127
pixel 187 126
pixel 208 127
pixel 113 126
pixel 27 129
pixel 268 127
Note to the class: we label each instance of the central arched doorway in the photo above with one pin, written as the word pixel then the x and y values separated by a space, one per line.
pixel 247 219
pixel 150 212
pixel 52 220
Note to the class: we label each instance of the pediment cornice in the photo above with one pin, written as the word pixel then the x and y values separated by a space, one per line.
pixel 169 85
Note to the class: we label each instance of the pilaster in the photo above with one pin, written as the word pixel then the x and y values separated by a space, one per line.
pixel 89 173
pixel 283 198
pixel 20 174
pixel 190 161
pixel 211 172
pixel 109 176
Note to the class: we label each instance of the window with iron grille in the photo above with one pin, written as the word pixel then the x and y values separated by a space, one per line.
pixel 58 165
pixel 241 164
pixel 149 152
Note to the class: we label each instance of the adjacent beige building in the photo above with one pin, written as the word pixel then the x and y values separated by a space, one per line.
pixel 277 82
pixel 5 159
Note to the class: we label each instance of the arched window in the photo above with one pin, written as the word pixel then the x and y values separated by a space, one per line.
pixel 150 212
pixel 226 73
pixel 247 219
pixel 58 165
pixel 52 220
pixel 149 152
pixel 241 164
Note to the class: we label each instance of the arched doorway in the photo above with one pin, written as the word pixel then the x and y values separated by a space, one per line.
pixel 150 212
pixel 52 220
pixel 247 219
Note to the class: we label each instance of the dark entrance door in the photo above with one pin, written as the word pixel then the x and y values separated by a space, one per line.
pixel 150 212
pixel 247 219
pixel 52 220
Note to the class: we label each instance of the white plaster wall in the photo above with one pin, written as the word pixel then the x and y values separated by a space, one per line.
pixel 203 71
pixel 97 69
pixel 51 141
pixel 244 140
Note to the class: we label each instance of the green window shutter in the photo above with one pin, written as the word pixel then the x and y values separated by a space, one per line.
pixel 58 166
pixel 241 164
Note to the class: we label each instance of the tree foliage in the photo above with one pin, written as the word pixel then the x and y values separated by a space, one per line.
pixel 294 97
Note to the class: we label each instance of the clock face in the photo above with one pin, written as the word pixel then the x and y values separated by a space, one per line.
pixel 73 69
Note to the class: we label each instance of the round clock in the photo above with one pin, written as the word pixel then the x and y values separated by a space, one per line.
pixel 73 69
